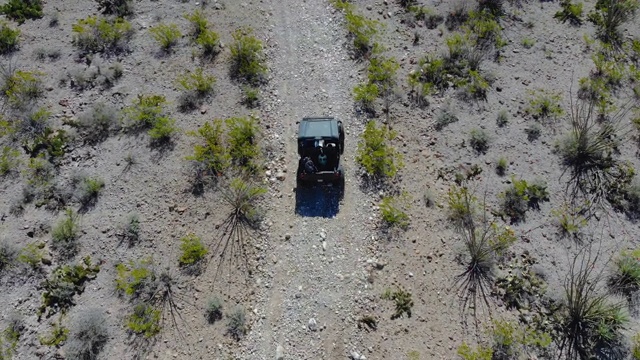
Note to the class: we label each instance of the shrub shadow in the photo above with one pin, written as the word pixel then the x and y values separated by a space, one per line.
pixel 318 200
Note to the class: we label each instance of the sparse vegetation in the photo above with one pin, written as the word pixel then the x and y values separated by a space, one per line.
pixel 570 12
pixel 242 139
pixel 361 30
pixel 102 35
pixel 544 105
pixel 166 35
pixel 213 312
pixel 479 140
pixel 444 118
pixel 65 233
pixel 625 277
pixel 378 158
pixel 609 15
pixel 237 323
pixel 9 160
pixel 145 320
pixel 8 255
pixel 98 122
pixel 23 88
pixel 393 210
pixel 521 196
pixel 9 38
pixel 212 156
pixel 480 353
pixel 503 118
pixel 118 8
pixel 88 335
pixel 196 86
pixel 501 166
pixel 247 58
pixel 57 336
pixel 193 253
pixel 89 190
pixel 533 131
pixel 402 301
pixel 147 112
pixel 22 10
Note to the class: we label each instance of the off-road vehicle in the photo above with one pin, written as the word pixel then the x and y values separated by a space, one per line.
pixel 320 144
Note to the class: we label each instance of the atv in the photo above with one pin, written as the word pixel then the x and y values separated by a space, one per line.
pixel 320 144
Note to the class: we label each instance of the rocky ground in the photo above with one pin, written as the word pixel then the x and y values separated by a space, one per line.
pixel 320 261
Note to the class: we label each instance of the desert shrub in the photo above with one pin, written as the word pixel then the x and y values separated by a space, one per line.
pixel 457 16
pixel 65 282
pixel 199 23
pixel 587 154
pixel 378 158
pixel 432 73
pixel 480 353
pixel 213 154
pixel 625 277
pixel 247 58
pixel 195 86
pixel 361 31
pixel 136 279
pixel 444 118
pixel 147 112
pixel 533 131
pixel 100 34
pixel 544 105
pixel 131 229
pixel 528 43
pixel 251 96
pixel 88 336
pixel 237 323
pixel 116 7
pixel 479 140
pixel 89 190
pixel 484 29
pixel 393 211
pixel 145 320
pixel 382 72
pixel 213 311
pixel 569 220
pixel 570 12
pixel 58 335
pixel 209 41
pixel 501 166
pixel 193 252
pixel 21 10
pixel 503 118
pixel 9 38
pixel 8 255
pixel 98 122
pixel 23 88
pixel 589 320
pixel 635 347
pixel 476 87
pixel 242 142
pixel 65 233
pixel 511 341
pixel 166 35
pixel 462 205
pixel 609 15
pixel 521 196
pixel 31 255
pixel 611 72
pixel 366 94
pixel 9 160
pixel 243 198
pixel 402 300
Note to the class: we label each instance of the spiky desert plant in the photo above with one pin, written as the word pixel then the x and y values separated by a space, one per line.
pixel 240 197
pixel 589 319
pixel 625 277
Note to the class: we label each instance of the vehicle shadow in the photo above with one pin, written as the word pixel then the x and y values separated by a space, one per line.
pixel 318 200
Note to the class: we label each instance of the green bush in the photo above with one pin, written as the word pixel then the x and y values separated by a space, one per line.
pixel 193 251
pixel 625 278
pixel 462 205
pixel 166 35
pixel 570 12
pixel 136 279
pixel 145 320
pixel 31 255
pixel 609 15
pixel 479 140
pixel 199 23
pixel 521 196
pixel 118 8
pixel 131 229
pixel 569 220
pixel 528 43
pixel 90 190
pixel 365 94
pixel 196 81
pixel 65 233
pixel 393 211
pixel 21 10
pixel 209 41
pixel 237 324
pixel 23 88
pixel 98 122
pixel 213 311
pixel 533 131
pixel 362 31
pixel 65 282
pixel 635 347
pixel 511 341
pixel 8 255
pixel 544 105
pixel 480 353
pixel 378 158
pixel 247 58
pixel 251 96
pixel 243 143
pixel 9 39
pixel 147 112
pixel 402 300
pixel 99 34
pixel 9 160
pixel 501 166
pixel 57 336
pixel 503 118
pixel 213 153
pixel 89 335
pixel 444 118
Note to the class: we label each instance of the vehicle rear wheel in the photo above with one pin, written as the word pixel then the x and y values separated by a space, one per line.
pixel 341 135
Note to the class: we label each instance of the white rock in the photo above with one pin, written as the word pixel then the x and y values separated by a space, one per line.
pixel 313 325
pixel 279 352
